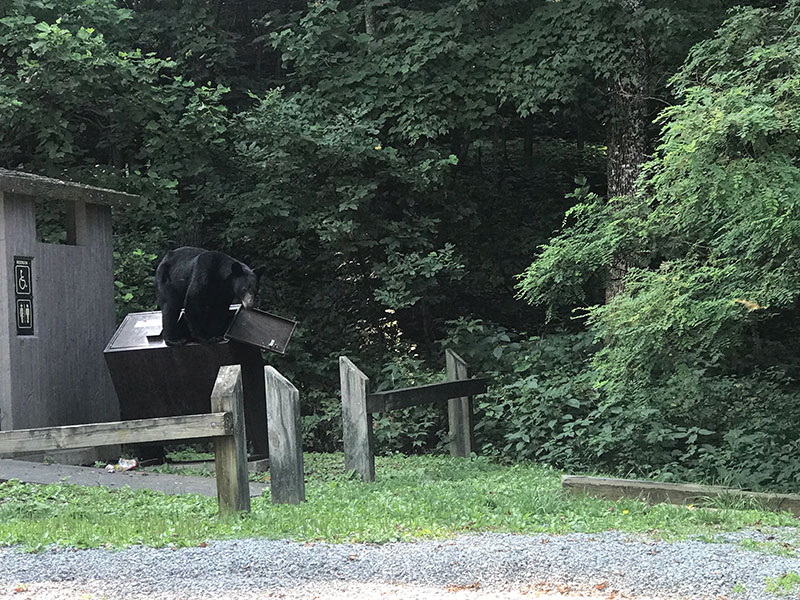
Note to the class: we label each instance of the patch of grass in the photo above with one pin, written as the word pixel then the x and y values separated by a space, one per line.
pixel 198 470
pixel 783 585
pixel 732 500
pixel 777 548
pixel 413 497
pixel 738 588
pixel 189 453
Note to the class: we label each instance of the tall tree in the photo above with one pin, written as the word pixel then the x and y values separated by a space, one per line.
pixel 630 117
pixel 626 51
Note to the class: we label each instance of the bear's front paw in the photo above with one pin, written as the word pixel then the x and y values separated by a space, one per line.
pixel 176 342
pixel 211 340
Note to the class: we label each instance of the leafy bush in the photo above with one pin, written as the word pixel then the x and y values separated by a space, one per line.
pixel 547 401
pixel 414 430
pixel 541 398
pixel 696 376
pixel 409 430
pixel 133 281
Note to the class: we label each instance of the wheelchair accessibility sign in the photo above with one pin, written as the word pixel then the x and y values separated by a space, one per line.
pixel 23 291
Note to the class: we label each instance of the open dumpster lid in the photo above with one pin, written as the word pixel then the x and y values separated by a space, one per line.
pixel 138 330
pixel 260 328
pixel 254 327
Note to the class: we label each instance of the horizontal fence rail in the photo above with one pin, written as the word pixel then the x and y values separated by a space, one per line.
pixel 358 406
pixel 70 437
pixel 226 425
pixel 424 394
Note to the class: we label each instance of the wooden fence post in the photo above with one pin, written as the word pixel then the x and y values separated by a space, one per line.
pixel 233 488
pixel 459 410
pixel 356 421
pixel 287 483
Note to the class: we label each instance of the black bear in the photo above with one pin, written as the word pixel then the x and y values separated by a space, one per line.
pixel 203 283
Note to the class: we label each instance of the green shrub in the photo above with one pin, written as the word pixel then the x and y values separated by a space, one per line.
pixel 547 401
pixel 133 282
pixel 541 397
pixel 410 430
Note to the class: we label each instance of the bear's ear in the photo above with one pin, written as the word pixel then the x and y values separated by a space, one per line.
pixel 236 269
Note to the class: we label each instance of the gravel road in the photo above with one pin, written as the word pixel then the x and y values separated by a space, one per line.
pixel 478 567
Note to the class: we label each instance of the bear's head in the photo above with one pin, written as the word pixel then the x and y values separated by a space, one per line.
pixel 245 284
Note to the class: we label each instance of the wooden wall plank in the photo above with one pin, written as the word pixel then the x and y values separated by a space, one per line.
pixel 7 316
pixel 18 239
pixel 58 376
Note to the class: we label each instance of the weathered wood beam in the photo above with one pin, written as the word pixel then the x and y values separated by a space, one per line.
pixel 28 184
pixel 459 409
pixel 424 394
pixel 139 431
pixel 230 453
pixel 359 443
pixel 673 493
pixel 287 480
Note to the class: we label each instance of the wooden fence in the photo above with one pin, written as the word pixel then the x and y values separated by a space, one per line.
pixel 287 481
pixel 358 405
pixel 225 425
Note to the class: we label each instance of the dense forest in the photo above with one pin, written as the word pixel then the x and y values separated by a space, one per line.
pixel 595 202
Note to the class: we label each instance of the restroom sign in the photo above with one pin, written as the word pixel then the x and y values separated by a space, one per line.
pixel 23 292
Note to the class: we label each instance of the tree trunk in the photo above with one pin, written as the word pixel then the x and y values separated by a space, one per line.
pixel 627 145
pixel 370 19
pixel 527 139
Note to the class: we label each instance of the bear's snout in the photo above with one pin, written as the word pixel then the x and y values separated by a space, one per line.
pixel 248 300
